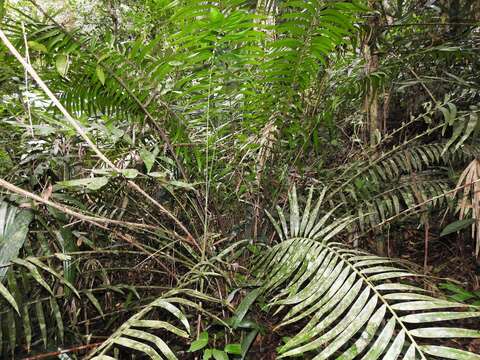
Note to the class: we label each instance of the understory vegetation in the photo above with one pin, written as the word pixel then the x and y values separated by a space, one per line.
pixel 237 179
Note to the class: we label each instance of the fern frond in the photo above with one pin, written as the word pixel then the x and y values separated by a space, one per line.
pixel 357 305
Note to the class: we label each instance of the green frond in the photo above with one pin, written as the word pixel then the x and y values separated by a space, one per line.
pixel 401 198
pixel 355 305
pixel 14 224
pixel 36 291
pixel 42 320
pixel 141 333
pixel 31 314
pixel 375 176
pixel 305 37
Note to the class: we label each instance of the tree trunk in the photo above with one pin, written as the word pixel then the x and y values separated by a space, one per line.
pixel 374 123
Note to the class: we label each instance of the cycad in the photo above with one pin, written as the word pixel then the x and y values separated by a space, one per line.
pixel 355 304
pixel 138 332
pixel 399 182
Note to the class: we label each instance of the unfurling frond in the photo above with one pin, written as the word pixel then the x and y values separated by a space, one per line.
pixel 353 305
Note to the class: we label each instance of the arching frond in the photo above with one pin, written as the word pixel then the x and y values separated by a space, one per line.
pixel 140 333
pixel 37 294
pixel 400 199
pixel 394 164
pixel 355 305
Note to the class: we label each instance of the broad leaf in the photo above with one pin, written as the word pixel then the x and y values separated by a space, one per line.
pixel 457 226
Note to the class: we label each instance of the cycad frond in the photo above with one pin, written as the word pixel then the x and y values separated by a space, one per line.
pixel 418 158
pixel 399 200
pixel 357 305
pixel 307 34
pixel 40 320
pixel 399 162
pixel 140 333
pixel 27 315
pixel 36 291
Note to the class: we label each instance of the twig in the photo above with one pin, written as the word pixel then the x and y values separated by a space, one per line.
pixel 90 219
pixel 27 58
pixel 65 351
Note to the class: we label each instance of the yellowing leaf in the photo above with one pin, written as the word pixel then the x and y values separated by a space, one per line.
pixel 100 74
pixel 61 63
pixel 37 46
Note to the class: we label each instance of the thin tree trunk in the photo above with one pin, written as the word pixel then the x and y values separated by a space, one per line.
pixel 371 65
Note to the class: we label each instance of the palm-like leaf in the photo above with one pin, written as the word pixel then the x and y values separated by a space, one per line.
pixel 139 332
pixel 13 232
pixel 357 305
pixel 398 162
pixel 401 200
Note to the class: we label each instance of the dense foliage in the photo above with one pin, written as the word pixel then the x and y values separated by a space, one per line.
pixel 146 144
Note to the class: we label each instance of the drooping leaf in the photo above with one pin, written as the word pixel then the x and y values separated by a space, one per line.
pixel 8 296
pixel 457 226
pixel 93 183
pixel 244 306
pixel 14 225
